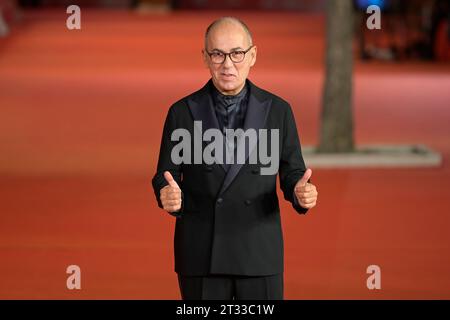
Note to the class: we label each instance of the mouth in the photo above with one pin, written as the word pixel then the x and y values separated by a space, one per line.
pixel 227 75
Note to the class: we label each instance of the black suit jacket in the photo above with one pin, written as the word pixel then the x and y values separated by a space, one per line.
pixel 230 221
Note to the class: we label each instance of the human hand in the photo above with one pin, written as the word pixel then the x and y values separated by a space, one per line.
pixel 306 192
pixel 170 195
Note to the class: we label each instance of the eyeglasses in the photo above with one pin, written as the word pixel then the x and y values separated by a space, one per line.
pixel 218 57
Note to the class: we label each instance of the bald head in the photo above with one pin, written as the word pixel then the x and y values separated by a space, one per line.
pixel 228 22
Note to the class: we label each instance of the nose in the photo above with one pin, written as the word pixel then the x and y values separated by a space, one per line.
pixel 228 63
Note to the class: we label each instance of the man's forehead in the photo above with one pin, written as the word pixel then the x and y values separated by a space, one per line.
pixel 228 39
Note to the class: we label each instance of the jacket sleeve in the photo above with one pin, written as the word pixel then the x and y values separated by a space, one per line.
pixel 165 163
pixel 292 165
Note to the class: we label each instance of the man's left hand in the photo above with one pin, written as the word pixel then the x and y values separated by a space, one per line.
pixel 306 192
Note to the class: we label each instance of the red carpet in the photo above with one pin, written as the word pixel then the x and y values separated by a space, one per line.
pixel 81 114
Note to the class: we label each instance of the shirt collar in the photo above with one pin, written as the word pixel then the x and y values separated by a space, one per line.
pixel 228 100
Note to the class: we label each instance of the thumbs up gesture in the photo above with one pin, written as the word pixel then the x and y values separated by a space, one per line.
pixel 306 192
pixel 170 195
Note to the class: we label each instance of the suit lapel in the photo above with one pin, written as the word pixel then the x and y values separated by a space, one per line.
pixel 255 118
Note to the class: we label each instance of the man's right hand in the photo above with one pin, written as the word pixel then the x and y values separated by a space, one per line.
pixel 170 195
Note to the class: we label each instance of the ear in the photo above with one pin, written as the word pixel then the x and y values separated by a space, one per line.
pixel 253 56
pixel 205 58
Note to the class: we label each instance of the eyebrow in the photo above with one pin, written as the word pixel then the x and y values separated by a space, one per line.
pixel 232 49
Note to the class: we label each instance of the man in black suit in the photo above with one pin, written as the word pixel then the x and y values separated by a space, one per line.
pixel 228 236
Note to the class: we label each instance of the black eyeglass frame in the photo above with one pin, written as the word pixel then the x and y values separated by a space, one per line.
pixel 228 54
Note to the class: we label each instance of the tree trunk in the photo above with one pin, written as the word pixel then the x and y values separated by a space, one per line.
pixel 337 119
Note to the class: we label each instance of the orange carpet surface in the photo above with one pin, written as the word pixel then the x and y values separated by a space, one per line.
pixel 81 116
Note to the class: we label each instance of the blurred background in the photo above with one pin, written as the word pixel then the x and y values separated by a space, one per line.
pixel 81 117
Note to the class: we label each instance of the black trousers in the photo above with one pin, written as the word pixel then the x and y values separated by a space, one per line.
pixel 224 287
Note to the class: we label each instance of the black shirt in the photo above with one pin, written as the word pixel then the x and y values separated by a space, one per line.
pixel 230 109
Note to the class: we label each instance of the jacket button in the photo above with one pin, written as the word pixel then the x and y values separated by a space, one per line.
pixel 208 168
pixel 248 202
pixel 219 201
